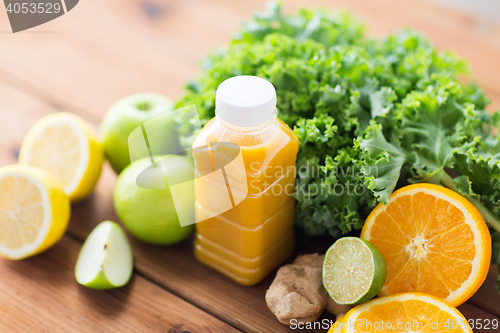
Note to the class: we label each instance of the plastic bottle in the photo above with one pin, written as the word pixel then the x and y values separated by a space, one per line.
pixel 245 164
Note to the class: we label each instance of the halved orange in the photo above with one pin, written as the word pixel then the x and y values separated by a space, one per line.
pixel 407 312
pixel 434 241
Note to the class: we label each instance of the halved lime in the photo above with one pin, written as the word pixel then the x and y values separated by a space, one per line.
pixel 354 271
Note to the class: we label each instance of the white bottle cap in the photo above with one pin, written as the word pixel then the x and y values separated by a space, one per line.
pixel 245 101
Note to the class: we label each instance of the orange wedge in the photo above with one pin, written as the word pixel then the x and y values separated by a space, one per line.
pixel 408 312
pixel 433 240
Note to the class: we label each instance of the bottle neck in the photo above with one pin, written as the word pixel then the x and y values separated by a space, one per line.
pixel 250 130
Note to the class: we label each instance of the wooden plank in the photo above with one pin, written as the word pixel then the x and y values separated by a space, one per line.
pixel 41 294
pixel 108 49
pixel 486 297
pixel 193 27
pixel 90 62
pixel 479 318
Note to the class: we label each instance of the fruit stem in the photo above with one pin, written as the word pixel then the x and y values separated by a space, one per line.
pixel 143 106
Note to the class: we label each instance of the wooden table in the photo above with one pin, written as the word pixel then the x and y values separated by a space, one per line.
pixel 104 50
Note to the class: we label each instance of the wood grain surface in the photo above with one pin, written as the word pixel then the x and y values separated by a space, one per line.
pixel 104 50
pixel 40 295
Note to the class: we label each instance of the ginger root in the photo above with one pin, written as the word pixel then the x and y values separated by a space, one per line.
pixel 297 292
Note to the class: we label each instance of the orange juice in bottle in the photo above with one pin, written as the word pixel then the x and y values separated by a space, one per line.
pixel 245 177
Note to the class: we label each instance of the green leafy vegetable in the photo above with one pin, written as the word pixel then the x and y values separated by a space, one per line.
pixel 371 115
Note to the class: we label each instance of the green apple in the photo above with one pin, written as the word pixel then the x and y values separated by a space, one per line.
pixel 125 116
pixel 105 260
pixel 150 214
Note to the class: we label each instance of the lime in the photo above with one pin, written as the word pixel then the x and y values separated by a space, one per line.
pixel 105 260
pixel 354 271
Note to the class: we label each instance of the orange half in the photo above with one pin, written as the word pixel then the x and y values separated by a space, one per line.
pixel 434 241
pixel 407 312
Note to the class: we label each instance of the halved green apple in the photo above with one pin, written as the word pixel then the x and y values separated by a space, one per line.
pixel 105 260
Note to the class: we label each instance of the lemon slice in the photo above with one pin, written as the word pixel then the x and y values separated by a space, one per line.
pixel 34 211
pixel 65 146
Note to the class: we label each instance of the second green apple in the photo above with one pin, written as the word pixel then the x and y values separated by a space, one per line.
pixel 128 114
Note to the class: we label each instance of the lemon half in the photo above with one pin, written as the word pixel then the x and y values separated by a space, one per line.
pixel 34 211
pixel 65 146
